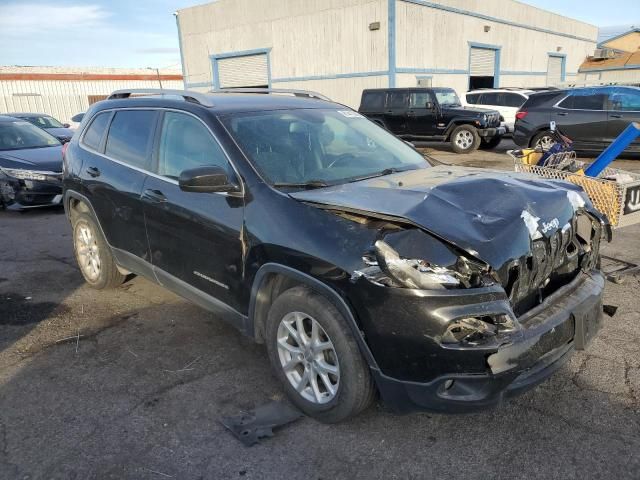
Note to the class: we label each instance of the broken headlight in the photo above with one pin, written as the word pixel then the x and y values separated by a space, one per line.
pixel 474 331
pixel 386 267
pixel 24 174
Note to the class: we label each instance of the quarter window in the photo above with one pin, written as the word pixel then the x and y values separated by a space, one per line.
pixel 584 100
pixel 472 98
pixel 373 101
pixel 185 143
pixel 95 132
pixel 130 136
pixel 513 100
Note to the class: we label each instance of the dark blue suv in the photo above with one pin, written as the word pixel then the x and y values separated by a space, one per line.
pixel 362 266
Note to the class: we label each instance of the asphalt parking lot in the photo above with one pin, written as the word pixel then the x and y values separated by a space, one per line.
pixel 131 383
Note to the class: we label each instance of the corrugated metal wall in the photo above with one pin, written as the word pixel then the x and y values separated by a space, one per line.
pixel 61 98
pixel 327 45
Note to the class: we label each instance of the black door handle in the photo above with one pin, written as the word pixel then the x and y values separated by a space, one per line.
pixel 155 196
pixel 93 171
pixel 615 115
pixel 562 114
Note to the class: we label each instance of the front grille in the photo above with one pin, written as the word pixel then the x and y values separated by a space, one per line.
pixel 552 262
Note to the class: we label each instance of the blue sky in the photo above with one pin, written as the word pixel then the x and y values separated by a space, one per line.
pixel 142 33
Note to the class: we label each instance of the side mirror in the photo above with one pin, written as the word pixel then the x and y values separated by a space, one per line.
pixel 66 125
pixel 429 105
pixel 206 179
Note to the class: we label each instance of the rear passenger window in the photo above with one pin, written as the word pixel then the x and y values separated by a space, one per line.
pixel 490 99
pixel 93 135
pixel 372 101
pixel 399 100
pixel 185 143
pixel 130 136
pixel 584 100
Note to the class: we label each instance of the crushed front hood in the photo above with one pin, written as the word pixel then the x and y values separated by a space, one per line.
pixel 45 158
pixel 478 210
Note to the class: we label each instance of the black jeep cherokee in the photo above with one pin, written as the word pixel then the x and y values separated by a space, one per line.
pixel 432 114
pixel 362 267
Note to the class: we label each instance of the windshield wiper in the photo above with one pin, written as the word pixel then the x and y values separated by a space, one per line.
pixel 308 185
pixel 381 173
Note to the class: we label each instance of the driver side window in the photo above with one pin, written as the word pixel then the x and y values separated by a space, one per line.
pixel 186 143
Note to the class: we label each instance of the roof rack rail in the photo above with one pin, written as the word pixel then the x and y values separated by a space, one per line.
pixel 284 91
pixel 599 83
pixel 188 95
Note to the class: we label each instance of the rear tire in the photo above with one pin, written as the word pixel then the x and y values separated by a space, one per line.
pixel 545 139
pixel 93 255
pixel 491 143
pixel 315 356
pixel 465 139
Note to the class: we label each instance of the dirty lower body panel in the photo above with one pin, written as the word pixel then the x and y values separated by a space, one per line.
pixel 419 370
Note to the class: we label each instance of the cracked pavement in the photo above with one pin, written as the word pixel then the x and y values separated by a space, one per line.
pixel 130 383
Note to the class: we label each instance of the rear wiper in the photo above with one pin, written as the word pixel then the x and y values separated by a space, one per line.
pixel 309 184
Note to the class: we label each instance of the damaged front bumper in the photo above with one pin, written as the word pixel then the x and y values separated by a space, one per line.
pixel 19 194
pixel 417 371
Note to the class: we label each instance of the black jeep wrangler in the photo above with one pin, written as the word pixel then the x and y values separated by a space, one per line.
pixel 432 114
pixel 364 268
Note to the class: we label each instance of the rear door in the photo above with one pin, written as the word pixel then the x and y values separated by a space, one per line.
pixel 195 238
pixel 395 115
pixel 113 173
pixel 421 121
pixel 582 117
pixel 623 108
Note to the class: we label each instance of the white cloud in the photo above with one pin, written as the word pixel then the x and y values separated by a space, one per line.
pixel 24 18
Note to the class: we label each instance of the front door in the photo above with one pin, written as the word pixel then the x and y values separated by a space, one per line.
pixel 624 108
pixel 421 121
pixel 194 238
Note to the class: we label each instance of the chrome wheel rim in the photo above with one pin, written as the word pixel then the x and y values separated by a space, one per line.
pixel 87 251
pixel 464 139
pixel 308 358
pixel 545 142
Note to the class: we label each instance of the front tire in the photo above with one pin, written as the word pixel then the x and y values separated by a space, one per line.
pixel 490 144
pixel 465 139
pixel 315 356
pixel 93 255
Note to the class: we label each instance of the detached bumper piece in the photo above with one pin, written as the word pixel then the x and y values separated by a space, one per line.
pixel 19 194
pixel 480 377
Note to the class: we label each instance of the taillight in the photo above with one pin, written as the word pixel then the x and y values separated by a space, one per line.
pixel 521 114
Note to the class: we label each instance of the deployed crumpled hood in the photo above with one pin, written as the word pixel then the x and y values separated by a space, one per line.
pixel 47 159
pixel 478 210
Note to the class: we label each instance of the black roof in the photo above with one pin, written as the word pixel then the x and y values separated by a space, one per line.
pixel 225 102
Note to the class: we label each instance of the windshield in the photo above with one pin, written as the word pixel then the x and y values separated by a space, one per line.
pixel 20 135
pixel 44 122
pixel 318 147
pixel 447 98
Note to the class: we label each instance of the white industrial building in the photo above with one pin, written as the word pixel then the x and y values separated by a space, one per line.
pixel 340 47
pixel 64 91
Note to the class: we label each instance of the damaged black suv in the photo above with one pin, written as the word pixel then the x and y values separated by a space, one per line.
pixel 364 268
